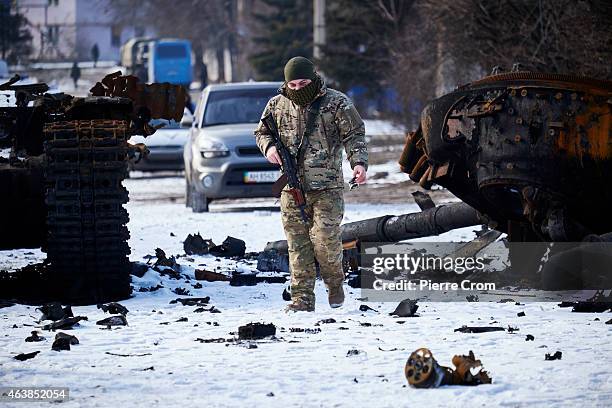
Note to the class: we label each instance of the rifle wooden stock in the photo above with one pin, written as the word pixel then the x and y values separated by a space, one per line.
pixel 277 187
pixel 289 169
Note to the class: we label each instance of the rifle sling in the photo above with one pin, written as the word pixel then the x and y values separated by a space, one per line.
pixel 313 112
pixel 278 186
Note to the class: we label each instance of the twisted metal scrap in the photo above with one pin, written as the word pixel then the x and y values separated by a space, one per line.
pixel 161 101
pixel 423 371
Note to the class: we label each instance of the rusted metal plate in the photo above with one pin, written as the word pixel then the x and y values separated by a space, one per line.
pixel 163 101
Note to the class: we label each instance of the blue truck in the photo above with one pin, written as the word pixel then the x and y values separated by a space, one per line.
pixel 159 60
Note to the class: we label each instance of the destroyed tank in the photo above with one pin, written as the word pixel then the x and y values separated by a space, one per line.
pixel 531 152
pixel 61 180
pixel 528 154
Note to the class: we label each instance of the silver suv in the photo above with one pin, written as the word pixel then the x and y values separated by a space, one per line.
pixel 221 157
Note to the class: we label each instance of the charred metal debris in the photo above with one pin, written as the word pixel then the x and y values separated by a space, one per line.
pixel 63 341
pixel 247 335
pixel 114 308
pixel 68 157
pixel 255 331
pixel 406 308
pixel 119 320
pixel 34 338
pixel 232 248
pixel 551 357
pixel 54 311
pixel 423 371
pixel 65 323
pixel 598 303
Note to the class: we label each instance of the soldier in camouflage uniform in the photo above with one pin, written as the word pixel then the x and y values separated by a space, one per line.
pixel 337 125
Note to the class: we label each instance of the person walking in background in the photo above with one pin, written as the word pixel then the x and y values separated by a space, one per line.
pixel 75 73
pixel 95 54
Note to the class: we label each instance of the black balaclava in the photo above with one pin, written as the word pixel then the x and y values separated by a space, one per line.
pixel 302 68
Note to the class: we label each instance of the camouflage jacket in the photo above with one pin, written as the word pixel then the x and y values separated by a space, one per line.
pixel 338 124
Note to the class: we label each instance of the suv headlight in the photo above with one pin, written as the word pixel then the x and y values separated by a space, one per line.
pixel 212 148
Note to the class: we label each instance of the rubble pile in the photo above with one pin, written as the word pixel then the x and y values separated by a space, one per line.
pixel 194 244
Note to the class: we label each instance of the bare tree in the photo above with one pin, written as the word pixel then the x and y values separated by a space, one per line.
pixel 545 35
pixel 208 24
pixel 445 43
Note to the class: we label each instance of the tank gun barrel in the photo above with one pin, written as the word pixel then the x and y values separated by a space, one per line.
pixel 394 228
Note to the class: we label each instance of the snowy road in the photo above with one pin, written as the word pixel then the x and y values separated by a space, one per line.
pixel 168 366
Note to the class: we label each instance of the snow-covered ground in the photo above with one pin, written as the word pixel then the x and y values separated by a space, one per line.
pixel 384 173
pixel 165 365
pixel 378 127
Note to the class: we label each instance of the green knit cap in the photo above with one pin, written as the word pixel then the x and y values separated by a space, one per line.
pixel 299 68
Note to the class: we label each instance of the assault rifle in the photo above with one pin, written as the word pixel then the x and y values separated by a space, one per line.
pixel 288 167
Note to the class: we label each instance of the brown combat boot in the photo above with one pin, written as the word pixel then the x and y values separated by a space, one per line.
pixel 335 296
pixel 300 305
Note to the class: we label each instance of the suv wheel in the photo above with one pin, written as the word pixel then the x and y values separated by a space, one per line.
pixel 187 193
pixel 196 200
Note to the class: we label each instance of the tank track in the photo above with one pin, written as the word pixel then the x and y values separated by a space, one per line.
pixel 87 234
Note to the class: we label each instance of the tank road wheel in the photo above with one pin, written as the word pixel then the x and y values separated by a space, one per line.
pixel 423 371
pixel 87 234
pixel 419 368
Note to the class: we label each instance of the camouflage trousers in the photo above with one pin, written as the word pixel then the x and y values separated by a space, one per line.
pixel 319 240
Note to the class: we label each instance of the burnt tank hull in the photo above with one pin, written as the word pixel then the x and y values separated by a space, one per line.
pixel 532 152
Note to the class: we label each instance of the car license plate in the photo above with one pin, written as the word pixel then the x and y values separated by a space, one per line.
pixel 261 176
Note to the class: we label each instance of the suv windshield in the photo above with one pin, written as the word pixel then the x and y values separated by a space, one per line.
pixel 236 106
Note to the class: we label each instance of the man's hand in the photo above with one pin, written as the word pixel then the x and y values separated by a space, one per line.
pixel 359 173
pixel 272 156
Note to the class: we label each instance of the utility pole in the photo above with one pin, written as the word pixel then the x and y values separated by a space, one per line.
pixel 318 28
pixel 5 6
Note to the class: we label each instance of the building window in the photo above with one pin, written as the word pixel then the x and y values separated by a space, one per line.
pixel 115 35
pixel 53 2
pixel 53 34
